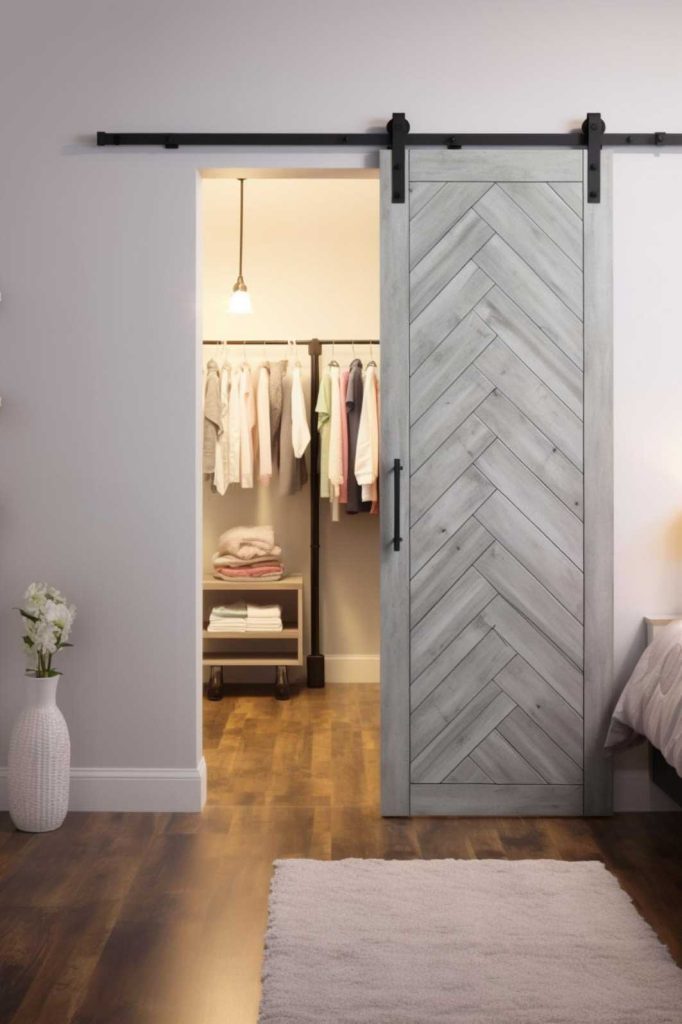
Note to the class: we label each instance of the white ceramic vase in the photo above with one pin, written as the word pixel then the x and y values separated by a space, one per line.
pixel 39 760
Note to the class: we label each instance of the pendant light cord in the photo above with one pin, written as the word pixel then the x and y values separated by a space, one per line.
pixel 241 224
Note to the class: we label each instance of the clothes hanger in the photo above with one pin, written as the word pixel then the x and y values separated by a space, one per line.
pixel 332 361
pixel 371 355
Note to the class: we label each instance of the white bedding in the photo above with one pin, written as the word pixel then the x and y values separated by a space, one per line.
pixel 651 704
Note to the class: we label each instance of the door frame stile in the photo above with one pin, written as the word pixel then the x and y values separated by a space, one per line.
pixel 395 441
pixel 598 492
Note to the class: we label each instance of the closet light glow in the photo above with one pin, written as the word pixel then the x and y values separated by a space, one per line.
pixel 240 300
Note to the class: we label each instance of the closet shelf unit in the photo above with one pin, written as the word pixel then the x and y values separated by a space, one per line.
pixel 262 650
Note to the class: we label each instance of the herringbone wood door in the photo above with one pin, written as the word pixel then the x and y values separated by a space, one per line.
pixel 494 531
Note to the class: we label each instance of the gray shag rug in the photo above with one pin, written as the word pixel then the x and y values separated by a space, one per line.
pixel 455 941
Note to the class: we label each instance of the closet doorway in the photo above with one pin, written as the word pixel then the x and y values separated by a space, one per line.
pixel 310 264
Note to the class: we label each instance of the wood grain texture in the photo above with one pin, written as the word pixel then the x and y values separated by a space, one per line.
pixel 496 799
pixel 442 315
pixel 445 259
pixel 534 499
pixel 395 444
pixel 512 275
pixel 160 918
pixel 533 245
pixel 446 413
pixel 430 222
pixel 447 362
pixel 496 165
pixel 554 216
pixel 542 703
pixel 435 579
pixel 600 695
pixel 572 194
pixel 446 464
pixel 560 374
pixel 447 618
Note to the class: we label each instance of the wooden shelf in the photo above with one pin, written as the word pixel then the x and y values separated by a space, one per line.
pixel 254 660
pixel 236 649
pixel 288 633
pixel 287 583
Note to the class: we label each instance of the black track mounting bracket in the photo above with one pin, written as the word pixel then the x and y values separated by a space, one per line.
pixel 593 134
pixel 398 129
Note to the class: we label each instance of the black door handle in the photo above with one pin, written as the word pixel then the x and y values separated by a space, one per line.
pixel 397 467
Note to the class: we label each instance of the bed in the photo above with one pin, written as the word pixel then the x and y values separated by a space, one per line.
pixel 650 707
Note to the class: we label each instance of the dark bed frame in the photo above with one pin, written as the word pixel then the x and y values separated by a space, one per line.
pixel 665 776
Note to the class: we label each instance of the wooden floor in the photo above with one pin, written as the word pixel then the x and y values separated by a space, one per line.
pixel 141 918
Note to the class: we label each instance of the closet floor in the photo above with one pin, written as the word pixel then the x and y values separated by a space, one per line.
pixel 159 918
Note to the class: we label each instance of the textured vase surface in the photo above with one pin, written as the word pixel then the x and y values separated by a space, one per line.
pixel 39 760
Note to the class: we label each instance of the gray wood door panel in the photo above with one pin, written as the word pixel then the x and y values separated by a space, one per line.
pixel 534 246
pixel 555 668
pixel 456 556
pixel 540 405
pixel 539 749
pixel 458 688
pixel 467 771
pixel 496 800
pixel 521 589
pixel 551 214
pixel 446 413
pixel 450 306
pixel 508 546
pixel 462 735
pixel 509 475
pixel 534 348
pixel 446 363
pixel 501 762
pixel 447 463
pixel 432 221
pixel 512 275
pixel 447 257
pixel 448 659
pixel 542 703
pixel 496 165
pixel 454 611
pixel 534 450
pixel 534 551
pixel 572 194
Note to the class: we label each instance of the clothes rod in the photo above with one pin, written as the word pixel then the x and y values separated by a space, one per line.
pixel 298 341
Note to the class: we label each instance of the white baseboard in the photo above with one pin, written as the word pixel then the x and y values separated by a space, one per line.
pixel 131 789
pixel 351 668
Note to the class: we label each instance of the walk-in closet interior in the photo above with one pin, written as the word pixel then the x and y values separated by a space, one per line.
pixel 291 399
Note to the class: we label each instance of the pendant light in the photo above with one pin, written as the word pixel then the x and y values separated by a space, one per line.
pixel 240 300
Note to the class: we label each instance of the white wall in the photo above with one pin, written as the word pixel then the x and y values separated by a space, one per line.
pixel 99 297
pixel 312 268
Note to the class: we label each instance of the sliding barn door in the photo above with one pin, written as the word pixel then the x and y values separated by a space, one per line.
pixel 496 520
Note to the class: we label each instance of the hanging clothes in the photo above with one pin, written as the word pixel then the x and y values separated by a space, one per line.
pixel 221 477
pixel 354 396
pixel 247 422
pixel 343 387
pixel 234 430
pixel 293 472
pixel 277 371
pixel 211 417
pixel 300 431
pixel 323 408
pixel 263 420
pixel 335 443
pixel 367 452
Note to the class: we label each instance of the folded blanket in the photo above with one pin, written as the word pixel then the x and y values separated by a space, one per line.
pixel 263 611
pixel 233 560
pixel 260 627
pixel 248 571
pixel 236 626
pixel 247 541
pixel 269 577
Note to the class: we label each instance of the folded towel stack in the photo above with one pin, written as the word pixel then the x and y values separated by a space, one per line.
pixel 245 618
pixel 228 618
pixel 248 553
pixel 263 618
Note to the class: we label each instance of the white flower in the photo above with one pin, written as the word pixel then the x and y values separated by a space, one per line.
pixel 47 627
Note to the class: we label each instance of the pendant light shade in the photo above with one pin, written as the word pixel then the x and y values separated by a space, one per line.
pixel 240 300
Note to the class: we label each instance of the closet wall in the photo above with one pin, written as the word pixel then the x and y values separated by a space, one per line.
pixel 311 263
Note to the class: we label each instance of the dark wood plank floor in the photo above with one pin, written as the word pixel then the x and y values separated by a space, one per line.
pixel 159 918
